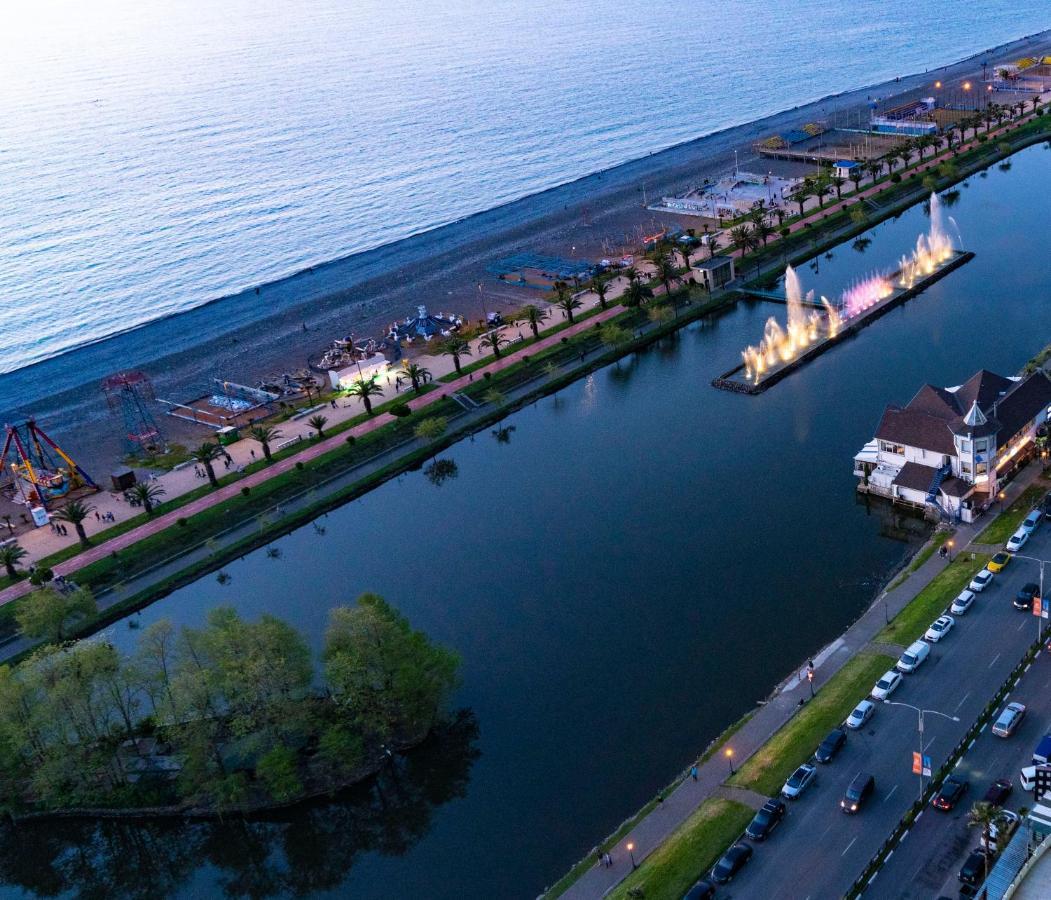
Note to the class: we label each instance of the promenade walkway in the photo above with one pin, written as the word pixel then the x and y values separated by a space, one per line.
pixel 655 827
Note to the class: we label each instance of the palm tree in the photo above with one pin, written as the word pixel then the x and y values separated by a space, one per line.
pixel 365 390
pixel 635 294
pixel 740 238
pixel 265 435
pixel 984 815
pixel 857 173
pixel 685 251
pixel 10 556
pixel 713 245
pixel 75 512
pixel 416 373
pixel 837 183
pixel 666 273
pixel 803 193
pixel 494 340
pixel 875 169
pixel 822 189
pixel 600 288
pixel 206 454
pixel 147 493
pixel 318 423
pixel 631 273
pixel 534 316
pixel 567 303
pixel 455 347
pixel 763 231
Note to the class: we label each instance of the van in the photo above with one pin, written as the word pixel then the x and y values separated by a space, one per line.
pixel 860 789
pixel 912 658
pixel 1042 753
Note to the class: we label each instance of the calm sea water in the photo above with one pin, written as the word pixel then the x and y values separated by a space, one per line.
pixel 154 156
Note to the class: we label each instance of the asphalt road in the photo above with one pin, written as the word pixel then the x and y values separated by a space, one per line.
pixel 818 851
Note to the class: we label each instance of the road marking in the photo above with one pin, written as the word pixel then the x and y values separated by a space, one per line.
pixel 851 844
pixel 931 741
pixel 958 705
pixel 826 831
pixel 891 794
pixel 995 658
pixel 920 813
pixel 986 725
pixel 1021 625
pixel 887 859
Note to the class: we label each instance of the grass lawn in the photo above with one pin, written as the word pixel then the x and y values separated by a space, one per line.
pixel 770 766
pixel 932 601
pixel 668 872
pixel 1005 524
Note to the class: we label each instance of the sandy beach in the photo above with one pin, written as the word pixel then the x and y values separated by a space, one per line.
pixel 272 328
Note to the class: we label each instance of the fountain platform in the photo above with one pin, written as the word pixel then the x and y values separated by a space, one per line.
pixel 736 381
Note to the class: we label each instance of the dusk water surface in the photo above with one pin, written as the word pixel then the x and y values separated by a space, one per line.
pixel 155 156
pixel 644 560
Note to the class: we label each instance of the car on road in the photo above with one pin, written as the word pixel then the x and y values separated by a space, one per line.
pixel 860 790
pixel 1033 520
pixel 1017 540
pixel 1047 505
pixel 998 792
pixel 886 686
pixel 998 562
pixel 1004 824
pixel 951 793
pixel 732 862
pixel 703 890
pixel 913 657
pixel 766 820
pixel 1009 720
pixel 973 870
pixel 861 714
pixel 1024 598
pixel 830 746
pixel 799 781
pixel 981 581
pixel 962 603
pixel 939 628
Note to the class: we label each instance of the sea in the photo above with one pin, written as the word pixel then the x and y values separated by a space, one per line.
pixel 156 156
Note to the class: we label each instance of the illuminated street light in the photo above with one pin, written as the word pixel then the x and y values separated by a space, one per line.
pixel 631 853
pixel 730 759
pixel 950 545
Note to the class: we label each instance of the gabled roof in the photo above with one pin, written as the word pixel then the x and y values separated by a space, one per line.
pixel 917 429
pixel 983 387
pixel 1022 404
pixel 935 401
pixel 915 476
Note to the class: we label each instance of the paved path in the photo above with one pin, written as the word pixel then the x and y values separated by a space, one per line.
pixel 652 830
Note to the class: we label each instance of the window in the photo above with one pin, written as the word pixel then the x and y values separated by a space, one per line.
pixel 981 469
pixel 889 447
pixel 965 446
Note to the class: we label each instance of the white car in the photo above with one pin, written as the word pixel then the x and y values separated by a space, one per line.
pixel 886 685
pixel 799 781
pixel 939 628
pixel 1017 541
pixel 1033 520
pixel 962 603
pixel 981 581
pixel 1006 820
pixel 861 714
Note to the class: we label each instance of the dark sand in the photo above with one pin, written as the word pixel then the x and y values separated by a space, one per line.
pixel 260 331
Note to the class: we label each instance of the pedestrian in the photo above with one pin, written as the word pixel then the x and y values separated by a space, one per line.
pixel 693 772
pixel 333 402
pixel 98 518
pixel 253 453
pixel 609 861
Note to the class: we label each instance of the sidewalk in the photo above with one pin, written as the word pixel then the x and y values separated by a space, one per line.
pixel 652 830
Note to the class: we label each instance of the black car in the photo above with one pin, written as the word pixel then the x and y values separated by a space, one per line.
pixel 973 871
pixel 952 792
pixel 830 746
pixel 731 863
pixel 703 890
pixel 998 792
pixel 1024 598
pixel 766 820
pixel 860 790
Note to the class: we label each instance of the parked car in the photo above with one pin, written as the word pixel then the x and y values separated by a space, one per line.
pixel 732 862
pixel 1033 520
pixel 859 791
pixel 886 686
pixel 861 713
pixel 913 657
pixel 998 562
pixel 998 792
pixel 1024 598
pixel 1009 720
pixel 981 581
pixel 766 820
pixel 830 746
pixel 1017 540
pixel 1004 825
pixel 799 781
pixel 703 890
pixel 962 603
pixel 939 628
pixel 952 791
pixel 973 870
pixel 1047 505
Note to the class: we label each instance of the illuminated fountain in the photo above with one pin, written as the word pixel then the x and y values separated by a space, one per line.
pixel 932 249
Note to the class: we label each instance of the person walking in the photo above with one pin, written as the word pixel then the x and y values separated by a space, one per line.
pixel 693 772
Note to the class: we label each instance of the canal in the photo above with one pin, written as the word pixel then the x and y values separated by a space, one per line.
pixel 626 568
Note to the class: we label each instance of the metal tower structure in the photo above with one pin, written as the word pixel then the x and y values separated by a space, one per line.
pixel 41 471
pixel 129 393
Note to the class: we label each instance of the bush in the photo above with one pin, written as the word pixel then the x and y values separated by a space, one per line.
pixel 487 375
pixel 351 439
pixel 896 178
pixel 299 465
pixel 245 491
pixel 785 231
pixel 181 521
pixel 400 411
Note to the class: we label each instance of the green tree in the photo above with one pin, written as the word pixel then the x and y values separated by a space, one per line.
pixel 10 556
pixel 457 348
pixel 207 454
pixel 568 304
pixel 666 273
pixel 265 435
pixel 763 231
pixel 534 316
pixel 318 423
pixel 47 613
pixel 431 428
pixel 75 512
pixel 365 389
pixel 494 340
pixel 147 493
pixel 416 373
pixel 339 747
pixel 740 238
pixel 613 334
pixel 279 770
pixel 600 288
pixel 984 815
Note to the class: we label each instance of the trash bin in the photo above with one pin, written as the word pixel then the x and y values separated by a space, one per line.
pixel 228 435
pixel 123 479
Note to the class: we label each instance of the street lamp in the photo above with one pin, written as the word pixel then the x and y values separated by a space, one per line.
pixel 631 853
pixel 730 759
pixel 1000 500
pixel 920 713
pixel 949 544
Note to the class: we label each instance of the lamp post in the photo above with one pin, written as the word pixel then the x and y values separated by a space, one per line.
pixel 631 853
pixel 730 759
pixel 1039 618
pixel 920 714
pixel 949 544
pixel 810 680
pixel 1000 501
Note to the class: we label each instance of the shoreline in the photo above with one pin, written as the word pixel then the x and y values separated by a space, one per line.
pixel 260 330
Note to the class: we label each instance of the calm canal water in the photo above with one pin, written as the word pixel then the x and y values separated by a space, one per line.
pixel 643 560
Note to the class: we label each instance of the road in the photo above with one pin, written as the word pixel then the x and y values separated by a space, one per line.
pixel 819 852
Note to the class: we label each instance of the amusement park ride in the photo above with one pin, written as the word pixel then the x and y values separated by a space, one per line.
pixel 40 471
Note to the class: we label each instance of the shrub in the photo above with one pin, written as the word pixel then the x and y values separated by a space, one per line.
pixel 299 465
pixel 896 177
pixel 181 521
pixel 351 439
pixel 487 375
pixel 785 231
pixel 401 410
pixel 245 491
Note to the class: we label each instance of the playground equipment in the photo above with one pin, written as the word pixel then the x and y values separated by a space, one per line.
pixel 41 471
pixel 129 394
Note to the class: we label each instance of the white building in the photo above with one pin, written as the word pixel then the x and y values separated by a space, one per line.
pixel 952 449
